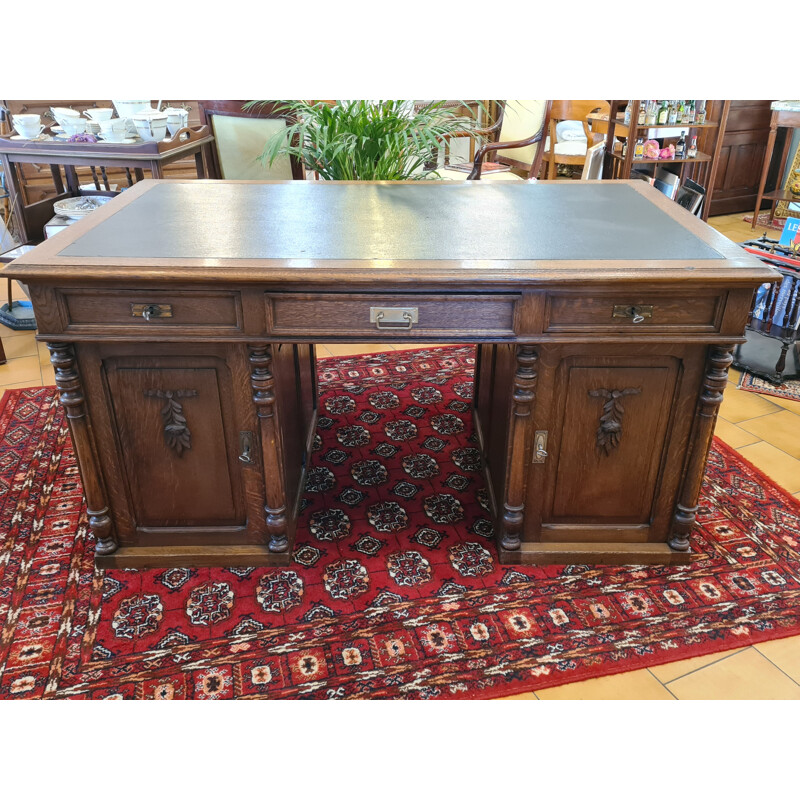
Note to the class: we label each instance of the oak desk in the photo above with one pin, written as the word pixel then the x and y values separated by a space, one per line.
pixel 182 317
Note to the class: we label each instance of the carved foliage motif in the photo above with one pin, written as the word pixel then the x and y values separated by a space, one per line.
pixel 610 430
pixel 176 431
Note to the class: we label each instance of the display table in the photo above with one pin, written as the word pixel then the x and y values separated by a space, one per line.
pixel 784 115
pixel 182 317
pixel 153 156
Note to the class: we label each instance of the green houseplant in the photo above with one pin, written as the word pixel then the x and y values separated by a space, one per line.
pixel 365 140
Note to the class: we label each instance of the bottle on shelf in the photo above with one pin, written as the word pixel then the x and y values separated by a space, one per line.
pixel 627 120
pixel 680 146
pixel 692 151
pixel 663 113
pixel 690 113
pixel 638 150
pixel 684 115
pixel 642 112
pixel 650 114
pixel 701 112
pixel 624 147
pixel 672 116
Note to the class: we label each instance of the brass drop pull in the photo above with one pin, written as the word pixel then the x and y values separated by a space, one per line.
pixel 245 445
pixel 151 310
pixel 635 313
pixel 539 447
pixel 398 318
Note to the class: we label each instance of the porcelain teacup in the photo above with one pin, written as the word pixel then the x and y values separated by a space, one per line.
pixel 28 126
pixel 151 125
pixel 61 113
pixel 177 118
pixel 73 125
pixel 113 130
pixel 99 114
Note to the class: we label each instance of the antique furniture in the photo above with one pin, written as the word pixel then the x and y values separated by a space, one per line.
pixel 571 153
pixel 30 218
pixel 239 138
pixel 182 317
pixel 702 168
pixel 784 115
pixel 773 326
pixel 519 128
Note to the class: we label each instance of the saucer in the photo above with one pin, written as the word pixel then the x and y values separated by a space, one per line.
pixel 42 137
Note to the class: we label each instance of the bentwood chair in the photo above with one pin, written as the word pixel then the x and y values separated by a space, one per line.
pixel 518 147
pixel 239 139
pixel 571 149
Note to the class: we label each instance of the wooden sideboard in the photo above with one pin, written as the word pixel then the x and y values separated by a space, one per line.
pixel 182 317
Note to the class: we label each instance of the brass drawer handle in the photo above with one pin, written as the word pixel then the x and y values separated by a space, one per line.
pixel 400 318
pixel 151 310
pixel 635 313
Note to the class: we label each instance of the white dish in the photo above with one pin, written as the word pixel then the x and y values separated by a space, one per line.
pixel 79 207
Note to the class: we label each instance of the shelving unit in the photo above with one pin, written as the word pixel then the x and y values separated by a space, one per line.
pixel 702 169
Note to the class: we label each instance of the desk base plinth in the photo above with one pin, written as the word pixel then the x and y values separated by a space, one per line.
pixel 594 554
pixel 192 556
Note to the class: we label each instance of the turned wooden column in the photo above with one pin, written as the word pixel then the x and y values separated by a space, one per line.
pixel 62 357
pixel 263 383
pixel 517 467
pixel 719 359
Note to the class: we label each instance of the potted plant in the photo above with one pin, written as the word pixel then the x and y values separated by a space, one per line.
pixel 365 140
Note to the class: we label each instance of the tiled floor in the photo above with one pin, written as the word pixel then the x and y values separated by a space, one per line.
pixel 764 430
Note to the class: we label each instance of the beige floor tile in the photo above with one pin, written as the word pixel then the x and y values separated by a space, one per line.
pixel 745 676
pixel 22 385
pixel 779 466
pixel 523 696
pixel 48 376
pixel 636 685
pixel 21 369
pixel 44 353
pixel 784 402
pixel 784 654
pixel 19 346
pixel 734 375
pixel 781 429
pixel 357 349
pixel 677 669
pixel 9 332
pixel 738 406
pixel 732 434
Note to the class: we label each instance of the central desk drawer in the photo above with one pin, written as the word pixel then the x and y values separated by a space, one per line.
pixel 150 308
pixel 390 315
pixel 633 311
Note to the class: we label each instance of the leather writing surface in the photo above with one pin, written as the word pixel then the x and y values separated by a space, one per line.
pixel 329 221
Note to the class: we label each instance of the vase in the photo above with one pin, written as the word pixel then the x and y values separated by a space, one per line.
pixel 794 185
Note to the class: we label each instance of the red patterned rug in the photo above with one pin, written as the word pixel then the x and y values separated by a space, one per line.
pixel 394 590
pixel 763 221
pixel 788 390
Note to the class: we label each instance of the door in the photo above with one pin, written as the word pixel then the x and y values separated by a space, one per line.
pixel 616 428
pixel 172 422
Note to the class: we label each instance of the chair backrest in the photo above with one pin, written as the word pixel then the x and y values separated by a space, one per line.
pixel 575 110
pixel 521 120
pixel 239 138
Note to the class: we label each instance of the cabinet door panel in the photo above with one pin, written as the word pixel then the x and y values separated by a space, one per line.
pixel 617 426
pixel 172 427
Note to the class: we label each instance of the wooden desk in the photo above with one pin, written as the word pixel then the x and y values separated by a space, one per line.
pixel 182 317
pixel 780 119
pixel 153 156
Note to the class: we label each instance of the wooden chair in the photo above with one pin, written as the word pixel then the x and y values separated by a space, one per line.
pixel 572 153
pixel 523 124
pixel 239 138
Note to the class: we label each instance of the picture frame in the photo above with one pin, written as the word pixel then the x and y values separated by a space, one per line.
pixel 593 166
pixel 790 208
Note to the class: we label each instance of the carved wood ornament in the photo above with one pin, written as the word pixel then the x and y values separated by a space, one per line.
pixel 610 430
pixel 176 431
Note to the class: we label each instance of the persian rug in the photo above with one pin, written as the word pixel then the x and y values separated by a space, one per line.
pixel 789 390
pixel 394 590
pixel 763 222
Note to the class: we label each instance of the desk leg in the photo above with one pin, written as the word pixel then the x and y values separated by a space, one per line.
pixel 719 359
pixel 262 381
pixel 62 357
pixel 519 436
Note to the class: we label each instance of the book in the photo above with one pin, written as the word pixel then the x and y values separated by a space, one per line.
pixel 790 236
pixel 667 182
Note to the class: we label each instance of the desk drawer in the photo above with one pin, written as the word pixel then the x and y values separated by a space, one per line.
pixel 156 308
pixel 391 315
pixel 635 312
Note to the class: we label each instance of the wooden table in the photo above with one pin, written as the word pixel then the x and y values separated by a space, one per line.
pixel 780 118
pixel 182 317
pixel 153 156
